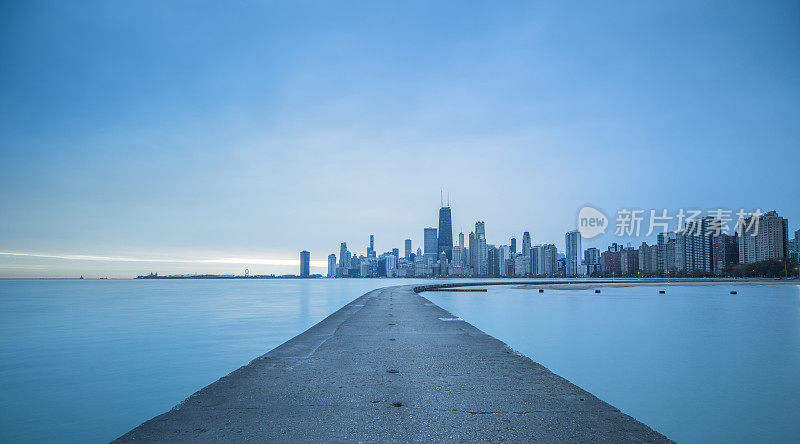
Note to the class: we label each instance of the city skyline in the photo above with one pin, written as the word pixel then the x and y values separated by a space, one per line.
pixel 126 151
pixel 699 246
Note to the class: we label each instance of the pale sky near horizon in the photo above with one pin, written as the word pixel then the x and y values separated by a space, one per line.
pixel 183 137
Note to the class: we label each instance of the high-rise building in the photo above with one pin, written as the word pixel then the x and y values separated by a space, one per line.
pixel 549 258
pixel 591 257
pixel 481 265
pixel 629 261
pixel 430 243
pixel 763 237
pixel 461 239
pixel 526 244
pixel 493 260
pixel 331 265
pixel 371 249
pixel 503 254
pixel 522 264
pixel 648 258
pixel 473 251
pixel 725 252
pixel 445 242
pixel 667 253
pixel 458 256
pixel 408 249
pixel 513 245
pixel 342 255
pixel 305 262
pixel 573 253
pixel 696 240
pixel 797 246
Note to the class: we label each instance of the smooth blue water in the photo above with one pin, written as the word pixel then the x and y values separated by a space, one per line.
pixel 698 364
pixel 87 360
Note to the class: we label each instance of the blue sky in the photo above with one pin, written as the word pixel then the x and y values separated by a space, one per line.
pixel 179 136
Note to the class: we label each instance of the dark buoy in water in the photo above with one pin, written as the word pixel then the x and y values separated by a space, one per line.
pixel 541 291
pixel 662 291
pixel 597 291
pixel 734 292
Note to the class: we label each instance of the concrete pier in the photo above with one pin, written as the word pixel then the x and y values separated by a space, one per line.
pixel 392 366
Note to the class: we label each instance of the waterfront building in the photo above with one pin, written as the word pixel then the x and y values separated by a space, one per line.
pixel 522 264
pixel 343 254
pixel 549 259
pixel 573 252
pixel 561 267
pixel 666 262
pixel 494 260
pixel 763 238
pixel 629 261
pixel 797 246
pixel 371 249
pixel 445 241
pixel 364 269
pixel 509 267
pixel 611 260
pixel 536 260
pixel 513 245
pixel 305 262
pixel 391 265
pixel 430 243
pixel 725 252
pixel 503 253
pixel 591 258
pixel 458 256
pixel 480 264
pixel 331 265
pixel 526 244
pixel 648 258
pixel 408 249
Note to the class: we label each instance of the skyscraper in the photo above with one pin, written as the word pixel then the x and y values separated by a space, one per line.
pixel 526 244
pixel 513 245
pixel 549 259
pixel 408 248
pixel 763 237
pixel 371 249
pixel 343 255
pixel 473 251
pixel 445 242
pixel 331 265
pixel 591 258
pixel 461 239
pixel 305 261
pixel 481 265
pixel 573 252
pixel 430 243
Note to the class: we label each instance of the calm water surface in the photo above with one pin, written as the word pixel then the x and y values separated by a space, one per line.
pixel 698 364
pixel 85 361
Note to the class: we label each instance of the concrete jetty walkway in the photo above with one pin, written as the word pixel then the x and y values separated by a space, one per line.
pixel 392 366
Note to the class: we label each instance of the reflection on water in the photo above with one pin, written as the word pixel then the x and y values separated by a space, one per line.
pixel 698 364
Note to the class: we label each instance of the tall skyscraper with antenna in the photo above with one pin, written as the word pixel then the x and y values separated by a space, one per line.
pixel 445 243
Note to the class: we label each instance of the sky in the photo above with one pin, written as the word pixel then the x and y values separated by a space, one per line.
pixel 210 137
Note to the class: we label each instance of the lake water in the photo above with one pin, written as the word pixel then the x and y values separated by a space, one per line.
pixel 86 361
pixel 697 363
